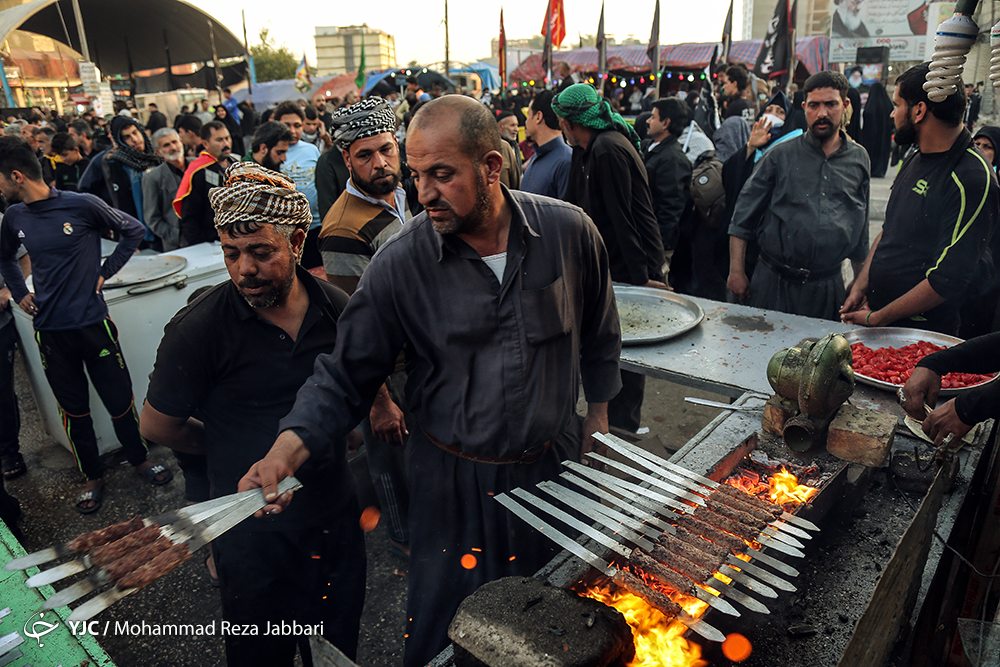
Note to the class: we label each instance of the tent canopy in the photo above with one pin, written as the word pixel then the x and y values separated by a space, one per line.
pixel 488 74
pixel 271 93
pixel 151 26
pixel 813 52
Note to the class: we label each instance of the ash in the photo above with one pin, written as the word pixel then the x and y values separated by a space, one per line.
pixel 811 628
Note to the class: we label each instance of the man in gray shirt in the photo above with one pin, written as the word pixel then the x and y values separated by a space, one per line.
pixel 159 187
pixel 807 205
pixel 503 303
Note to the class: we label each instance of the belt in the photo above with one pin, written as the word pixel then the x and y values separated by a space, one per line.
pixel 530 455
pixel 797 275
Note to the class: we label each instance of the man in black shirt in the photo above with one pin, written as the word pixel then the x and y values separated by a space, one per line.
pixel 226 372
pixel 203 174
pixel 69 171
pixel 938 222
pixel 608 181
pixel 157 121
pixel 735 88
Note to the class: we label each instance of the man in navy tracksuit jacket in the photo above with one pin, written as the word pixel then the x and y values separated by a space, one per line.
pixel 62 232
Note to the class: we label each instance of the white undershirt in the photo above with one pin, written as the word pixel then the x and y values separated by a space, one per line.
pixel 497 264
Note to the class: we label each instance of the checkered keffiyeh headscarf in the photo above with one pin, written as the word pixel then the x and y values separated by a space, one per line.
pixel 252 194
pixel 583 105
pixel 364 119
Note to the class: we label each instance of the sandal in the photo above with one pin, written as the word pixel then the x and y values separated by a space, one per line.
pixel 13 466
pixel 213 581
pixel 90 495
pixel 152 471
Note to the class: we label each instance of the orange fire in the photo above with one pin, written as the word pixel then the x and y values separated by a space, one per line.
pixel 782 487
pixel 659 641
pixel 785 488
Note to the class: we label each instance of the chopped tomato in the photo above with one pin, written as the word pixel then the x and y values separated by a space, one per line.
pixel 895 366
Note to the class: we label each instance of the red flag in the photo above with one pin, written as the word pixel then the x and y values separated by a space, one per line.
pixel 502 55
pixel 555 17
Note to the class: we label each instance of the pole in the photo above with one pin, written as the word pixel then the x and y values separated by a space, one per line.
pixel 791 49
pixel 215 60
pixel 447 64
pixel 246 45
pixel 84 49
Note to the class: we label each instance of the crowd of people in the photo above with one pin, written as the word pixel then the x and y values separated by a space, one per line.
pixel 433 271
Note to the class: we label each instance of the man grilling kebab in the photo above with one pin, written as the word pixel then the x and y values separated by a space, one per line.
pixel 502 302
pixel 226 372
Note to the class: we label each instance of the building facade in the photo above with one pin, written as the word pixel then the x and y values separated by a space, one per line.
pixel 338 49
pixel 813 17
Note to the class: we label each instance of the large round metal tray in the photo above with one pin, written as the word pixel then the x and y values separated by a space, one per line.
pixel 651 315
pixel 895 337
pixel 146 268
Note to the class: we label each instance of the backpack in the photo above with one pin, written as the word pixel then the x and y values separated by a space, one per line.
pixel 707 191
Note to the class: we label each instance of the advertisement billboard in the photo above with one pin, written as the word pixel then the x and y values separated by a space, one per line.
pixel 900 25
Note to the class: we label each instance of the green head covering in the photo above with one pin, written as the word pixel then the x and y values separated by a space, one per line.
pixel 582 104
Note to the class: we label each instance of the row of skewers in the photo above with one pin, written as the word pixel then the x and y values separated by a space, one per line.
pixel 675 533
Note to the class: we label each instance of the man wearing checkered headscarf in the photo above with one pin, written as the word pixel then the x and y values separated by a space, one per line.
pixel 372 208
pixel 235 358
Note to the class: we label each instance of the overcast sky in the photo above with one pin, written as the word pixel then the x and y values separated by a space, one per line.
pixel 419 30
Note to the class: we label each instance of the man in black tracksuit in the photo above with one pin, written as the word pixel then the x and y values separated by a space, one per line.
pixel 938 223
pixel 62 232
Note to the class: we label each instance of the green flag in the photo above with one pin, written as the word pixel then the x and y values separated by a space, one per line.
pixel 360 80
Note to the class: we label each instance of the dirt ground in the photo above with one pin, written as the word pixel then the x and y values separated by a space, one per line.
pixel 185 596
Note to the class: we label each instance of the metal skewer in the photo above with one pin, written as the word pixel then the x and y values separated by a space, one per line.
pixel 701 479
pixel 671 470
pixel 649 516
pixel 697 625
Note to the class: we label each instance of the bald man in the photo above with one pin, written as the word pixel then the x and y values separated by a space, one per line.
pixel 504 304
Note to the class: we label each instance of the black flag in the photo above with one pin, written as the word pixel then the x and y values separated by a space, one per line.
pixel 653 50
pixel 776 51
pixel 602 49
pixel 727 34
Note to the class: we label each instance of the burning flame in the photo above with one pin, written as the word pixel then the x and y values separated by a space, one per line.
pixel 659 641
pixel 782 487
pixel 785 488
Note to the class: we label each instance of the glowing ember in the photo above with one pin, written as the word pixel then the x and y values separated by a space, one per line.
pixel 782 487
pixel 785 488
pixel 659 641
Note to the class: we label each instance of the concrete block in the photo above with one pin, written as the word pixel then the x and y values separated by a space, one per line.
pixel 524 622
pixel 861 436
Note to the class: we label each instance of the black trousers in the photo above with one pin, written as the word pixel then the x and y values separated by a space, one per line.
pixel 197 488
pixel 386 465
pixel 65 354
pixel 311 576
pixel 453 514
pixel 625 409
pixel 10 416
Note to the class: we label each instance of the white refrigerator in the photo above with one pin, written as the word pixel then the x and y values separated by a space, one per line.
pixel 141 299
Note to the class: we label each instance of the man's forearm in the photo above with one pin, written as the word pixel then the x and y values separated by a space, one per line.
pixel 918 300
pixel 737 255
pixel 186 437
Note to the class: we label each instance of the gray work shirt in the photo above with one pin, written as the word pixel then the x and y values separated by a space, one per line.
pixel 807 211
pixel 494 367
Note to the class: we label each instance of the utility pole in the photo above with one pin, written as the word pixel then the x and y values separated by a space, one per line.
pixel 84 49
pixel 447 63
